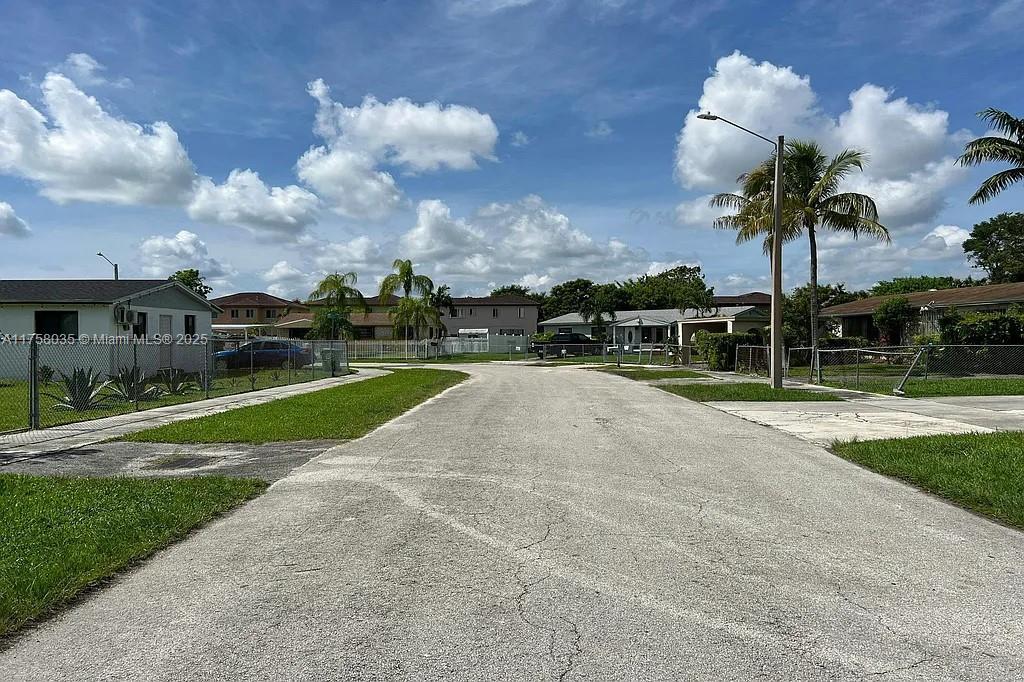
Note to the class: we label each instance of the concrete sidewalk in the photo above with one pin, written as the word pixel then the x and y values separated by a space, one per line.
pixel 552 524
pixel 875 417
pixel 27 444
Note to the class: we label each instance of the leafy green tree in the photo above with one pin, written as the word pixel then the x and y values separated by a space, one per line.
pixel 193 280
pixel 1005 148
pixel 893 318
pixel 567 297
pixel 599 306
pixel 796 309
pixel 336 298
pixel 909 285
pixel 512 290
pixel 812 202
pixel 680 287
pixel 997 246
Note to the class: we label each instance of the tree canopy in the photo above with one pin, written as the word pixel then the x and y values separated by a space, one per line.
pixel 908 285
pixel 193 280
pixel 997 246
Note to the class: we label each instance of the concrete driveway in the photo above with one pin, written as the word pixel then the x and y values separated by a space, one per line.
pixel 557 523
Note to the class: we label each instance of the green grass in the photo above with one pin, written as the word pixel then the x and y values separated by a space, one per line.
pixel 338 413
pixel 61 535
pixel 925 388
pixel 983 472
pixel 746 391
pixel 14 396
pixel 643 373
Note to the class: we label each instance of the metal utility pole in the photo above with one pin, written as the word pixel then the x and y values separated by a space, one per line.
pixel 776 256
pixel 100 254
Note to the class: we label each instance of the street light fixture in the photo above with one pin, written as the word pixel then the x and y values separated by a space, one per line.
pixel 776 259
pixel 100 254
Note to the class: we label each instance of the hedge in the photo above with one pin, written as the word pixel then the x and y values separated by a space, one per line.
pixel 720 349
pixel 997 329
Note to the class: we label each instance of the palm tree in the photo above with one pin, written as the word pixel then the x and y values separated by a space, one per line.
pixel 1009 148
pixel 441 300
pixel 599 303
pixel 409 282
pixel 414 313
pixel 812 202
pixel 337 298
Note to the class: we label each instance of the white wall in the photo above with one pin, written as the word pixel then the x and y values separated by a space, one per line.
pixel 20 319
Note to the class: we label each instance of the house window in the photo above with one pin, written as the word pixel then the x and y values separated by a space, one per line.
pixel 250 313
pixel 520 313
pixel 139 328
pixel 455 313
pixel 494 312
pixel 271 314
pixel 234 313
pixel 470 314
pixel 568 330
pixel 511 332
pixel 190 325
pixel 57 322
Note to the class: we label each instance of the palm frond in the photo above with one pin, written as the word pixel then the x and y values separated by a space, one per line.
pixel 1003 122
pixel 996 184
pixel 841 165
pixel 989 148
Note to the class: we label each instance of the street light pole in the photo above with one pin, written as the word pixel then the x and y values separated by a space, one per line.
pixel 100 254
pixel 776 255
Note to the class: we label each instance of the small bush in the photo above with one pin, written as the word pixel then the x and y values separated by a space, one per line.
pixel 998 329
pixel 843 342
pixel 720 349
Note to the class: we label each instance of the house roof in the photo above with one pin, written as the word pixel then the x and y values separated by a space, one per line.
pixel 253 299
pixel 663 316
pixel 937 298
pixel 304 320
pixel 749 298
pixel 102 291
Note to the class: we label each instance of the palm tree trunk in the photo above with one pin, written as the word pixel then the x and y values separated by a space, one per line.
pixel 812 240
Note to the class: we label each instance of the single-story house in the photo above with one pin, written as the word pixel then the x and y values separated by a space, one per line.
pixel 99 313
pixel 659 326
pixel 854 318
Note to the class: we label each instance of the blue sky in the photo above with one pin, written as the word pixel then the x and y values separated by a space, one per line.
pixel 492 142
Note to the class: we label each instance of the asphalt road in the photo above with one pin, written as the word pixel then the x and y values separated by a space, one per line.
pixel 556 523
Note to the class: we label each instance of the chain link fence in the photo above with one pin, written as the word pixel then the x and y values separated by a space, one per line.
pixel 753 360
pixel 891 369
pixel 44 384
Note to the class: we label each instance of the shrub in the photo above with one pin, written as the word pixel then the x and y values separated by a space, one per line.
pixel 720 349
pixel 176 382
pixel 81 391
pixel 45 374
pixel 929 338
pixel 893 317
pixel 130 386
pixel 996 329
pixel 843 342
pixel 542 336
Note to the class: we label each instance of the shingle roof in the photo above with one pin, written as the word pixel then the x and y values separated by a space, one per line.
pixel 73 290
pixel 255 299
pixel 749 298
pixel 939 298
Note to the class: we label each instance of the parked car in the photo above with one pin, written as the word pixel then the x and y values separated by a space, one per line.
pixel 259 354
pixel 564 344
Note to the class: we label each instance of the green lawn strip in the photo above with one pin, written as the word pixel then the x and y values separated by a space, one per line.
pixel 338 413
pixel 924 388
pixel 746 391
pixel 644 374
pixel 61 535
pixel 983 472
pixel 14 396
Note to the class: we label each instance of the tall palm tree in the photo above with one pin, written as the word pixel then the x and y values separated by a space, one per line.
pixel 598 304
pixel 441 300
pixel 1009 149
pixel 812 202
pixel 338 297
pixel 410 283
pixel 414 313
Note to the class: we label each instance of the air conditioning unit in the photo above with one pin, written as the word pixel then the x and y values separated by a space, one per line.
pixel 125 316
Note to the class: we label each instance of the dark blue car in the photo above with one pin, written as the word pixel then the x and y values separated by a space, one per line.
pixel 263 354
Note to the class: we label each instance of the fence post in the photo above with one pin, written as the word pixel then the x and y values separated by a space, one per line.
pixel 252 366
pixel 33 383
pixel 817 361
pixel 209 366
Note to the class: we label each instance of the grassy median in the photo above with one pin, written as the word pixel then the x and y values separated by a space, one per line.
pixel 747 392
pixel 918 387
pixel 61 535
pixel 339 413
pixel 983 472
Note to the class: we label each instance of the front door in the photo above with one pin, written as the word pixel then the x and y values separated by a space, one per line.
pixel 166 330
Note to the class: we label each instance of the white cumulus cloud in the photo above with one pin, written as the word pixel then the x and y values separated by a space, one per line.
pixel 10 223
pixel 85 70
pixel 161 256
pixel 245 200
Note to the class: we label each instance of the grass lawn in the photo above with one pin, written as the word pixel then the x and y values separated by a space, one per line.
pixel 14 396
pixel 61 535
pixel 644 373
pixel 746 391
pixel 924 388
pixel 983 472
pixel 339 413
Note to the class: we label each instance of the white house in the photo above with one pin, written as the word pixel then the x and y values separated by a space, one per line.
pixel 658 326
pixel 102 317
